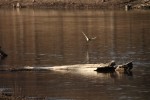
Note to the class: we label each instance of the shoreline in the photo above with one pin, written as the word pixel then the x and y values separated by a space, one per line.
pixel 127 5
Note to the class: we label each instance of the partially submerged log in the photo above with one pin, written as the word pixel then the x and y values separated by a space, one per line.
pixel 28 68
pixel 105 69
pixel 102 68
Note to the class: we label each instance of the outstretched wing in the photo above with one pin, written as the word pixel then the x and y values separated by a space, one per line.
pixel 93 38
pixel 87 39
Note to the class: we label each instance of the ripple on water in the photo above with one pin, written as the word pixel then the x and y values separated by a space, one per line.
pixel 114 88
pixel 124 97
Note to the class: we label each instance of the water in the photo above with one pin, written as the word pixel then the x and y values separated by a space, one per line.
pixel 50 38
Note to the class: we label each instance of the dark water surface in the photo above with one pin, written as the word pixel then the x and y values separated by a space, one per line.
pixel 46 38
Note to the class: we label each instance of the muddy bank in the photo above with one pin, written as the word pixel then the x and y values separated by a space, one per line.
pixel 76 4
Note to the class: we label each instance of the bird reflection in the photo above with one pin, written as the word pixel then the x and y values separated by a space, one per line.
pixel 87 46
pixel 115 75
pixel 87 57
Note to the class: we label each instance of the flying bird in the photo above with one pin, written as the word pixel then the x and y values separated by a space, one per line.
pixel 87 38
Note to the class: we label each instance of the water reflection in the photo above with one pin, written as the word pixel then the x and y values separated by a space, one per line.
pixel 62 84
pixel 37 37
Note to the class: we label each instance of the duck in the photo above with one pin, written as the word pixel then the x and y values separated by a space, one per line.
pixel 112 67
pixel 125 67
pixel 109 67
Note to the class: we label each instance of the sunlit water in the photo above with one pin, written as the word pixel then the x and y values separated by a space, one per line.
pixel 53 39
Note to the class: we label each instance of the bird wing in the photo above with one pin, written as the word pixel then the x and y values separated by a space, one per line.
pixel 87 39
pixel 93 38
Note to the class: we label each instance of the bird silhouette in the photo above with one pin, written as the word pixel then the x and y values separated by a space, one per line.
pixel 87 38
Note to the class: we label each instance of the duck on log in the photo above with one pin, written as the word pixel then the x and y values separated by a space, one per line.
pixel 112 67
